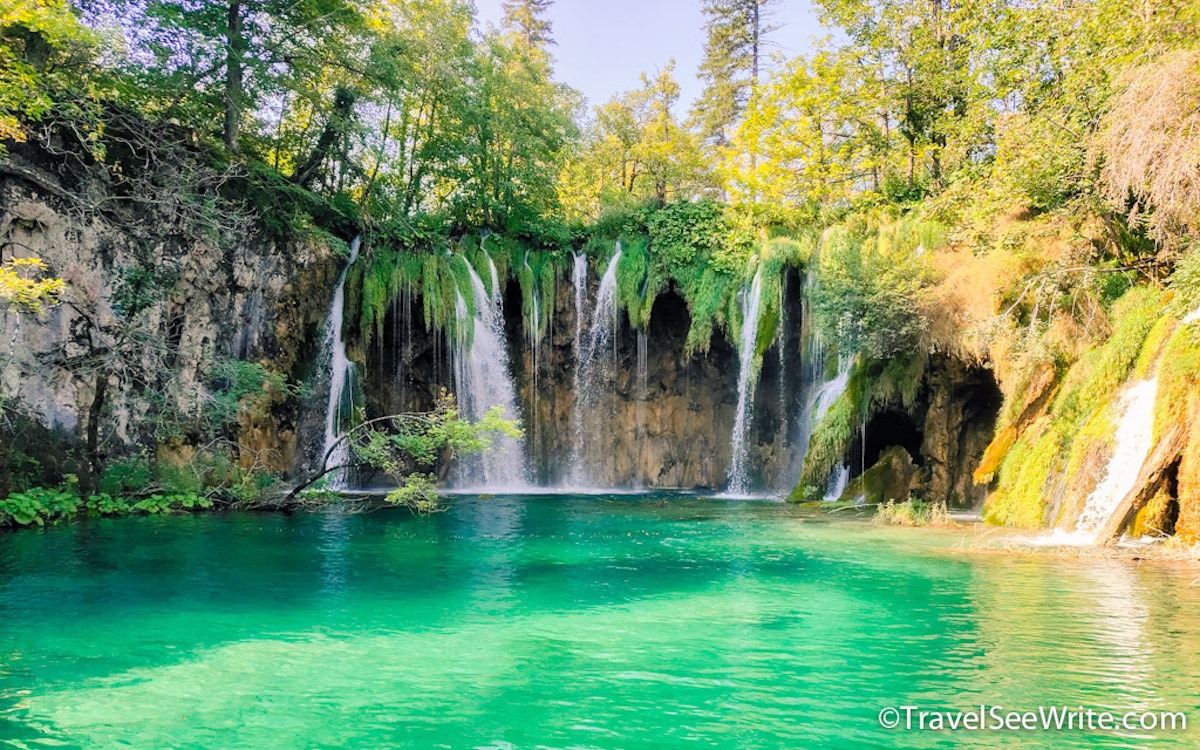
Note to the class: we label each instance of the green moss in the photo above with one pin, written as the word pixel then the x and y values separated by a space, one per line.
pixel 1100 372
pixel 1079 421
pixel 1178 376
pixel 638 284
pixel 1152 346
pixel 831 440
pixel 1020 499
pixel 889 480
pixel 708 298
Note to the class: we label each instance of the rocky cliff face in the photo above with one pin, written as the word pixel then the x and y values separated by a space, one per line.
pixel 671 431
pixel 153 304
pixel 674 429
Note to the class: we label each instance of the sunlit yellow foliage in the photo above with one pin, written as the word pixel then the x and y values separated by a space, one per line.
pixel 22 287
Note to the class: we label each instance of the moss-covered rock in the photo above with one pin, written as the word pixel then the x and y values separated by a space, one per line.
pixel 891 478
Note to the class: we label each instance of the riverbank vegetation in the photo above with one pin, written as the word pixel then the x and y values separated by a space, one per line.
pixel 1008 183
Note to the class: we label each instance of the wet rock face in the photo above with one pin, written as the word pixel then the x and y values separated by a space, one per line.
pixel 249 298
pixel 891 478
pixel 960 418
pixel 674 433
pixel 941 440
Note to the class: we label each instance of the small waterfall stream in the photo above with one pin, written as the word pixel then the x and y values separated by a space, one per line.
pixel 1134 432
pixel 641 385
pixel 1134 440
pixel 739 479
pixel 579 282
pixel 838 481
pixel 593 370
pixel 339 407
pixel 483 381
pixel 825 397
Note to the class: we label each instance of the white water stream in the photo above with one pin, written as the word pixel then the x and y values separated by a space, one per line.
pixel 482 381
pixel 593 365
pixel 739 479
pixel 341 379
pixel 1134 440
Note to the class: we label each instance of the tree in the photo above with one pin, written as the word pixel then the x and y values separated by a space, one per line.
pixel 22 287
pixel 815 126
pixel 634 150
pixel 411 141
pixel 408 446
pixel 44 50
pixel 732 65
pixel 236 57
pixel 519 123
pixel 527 20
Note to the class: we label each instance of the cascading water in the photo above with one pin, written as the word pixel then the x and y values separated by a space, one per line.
pixel 482 381
pixel 533 341
pixel 579 281
pixel 593 369
pixel 641 380
pixel 831 390
pixel 838 482
pixel 1134 439
pixel 739 479
pixel 825 397
pixel 341 379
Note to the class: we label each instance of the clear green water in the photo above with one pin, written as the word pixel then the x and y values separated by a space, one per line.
pixel 567 622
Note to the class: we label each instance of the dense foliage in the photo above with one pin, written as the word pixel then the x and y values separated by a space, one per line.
pixel 997 179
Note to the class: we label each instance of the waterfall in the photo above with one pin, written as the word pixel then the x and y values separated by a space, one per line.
pixel 641 385
pixel 784 428
pixel 482 381
pixel 341 378
pixel 838 481
pixel 592 367
pixel 1134 440
pixel 739 480
pixel 532 330
pixel 579 281
pixel 831 390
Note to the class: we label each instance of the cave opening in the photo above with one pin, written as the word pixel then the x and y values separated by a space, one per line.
pixel 670 318
pixel 884 430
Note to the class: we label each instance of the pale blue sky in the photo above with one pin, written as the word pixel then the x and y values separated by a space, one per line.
pixel 604 45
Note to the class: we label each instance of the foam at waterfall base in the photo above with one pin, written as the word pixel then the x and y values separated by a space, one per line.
pixel 1060 538
pixel 768 497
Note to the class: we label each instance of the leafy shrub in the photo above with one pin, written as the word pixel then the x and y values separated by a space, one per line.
pixel 912 513
pixel 1186 282
pixel 159 504
pixel 129 476
pixel 107 505
pixel 867 299
pixel 418 493
pixel 249 487
pixel 38 505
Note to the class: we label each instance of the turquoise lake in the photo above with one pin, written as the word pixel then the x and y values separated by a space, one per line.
pixel 608 622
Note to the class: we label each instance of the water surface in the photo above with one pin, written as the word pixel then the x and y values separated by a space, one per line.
pixel 620 623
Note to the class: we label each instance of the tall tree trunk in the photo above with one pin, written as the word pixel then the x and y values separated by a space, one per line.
pixel 756 42
pixel 343 109
pixel 235 47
